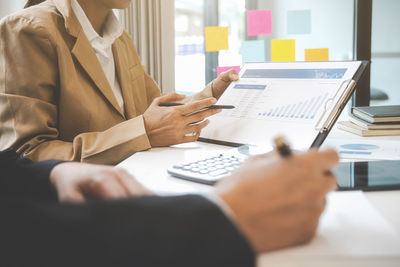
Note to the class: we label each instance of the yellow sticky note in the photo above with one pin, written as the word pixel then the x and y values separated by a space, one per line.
pixel 216 38
pixel 319 54
pixel 283 50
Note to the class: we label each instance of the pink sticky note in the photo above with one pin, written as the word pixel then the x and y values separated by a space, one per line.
pixel 223 69
pixel 259 22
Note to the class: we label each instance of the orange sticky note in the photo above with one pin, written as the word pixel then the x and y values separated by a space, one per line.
pixel 283 50
pixel 318 54
pixel 216 38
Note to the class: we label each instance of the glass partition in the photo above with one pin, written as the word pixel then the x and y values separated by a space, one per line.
pixel 313 24
pixel 385 54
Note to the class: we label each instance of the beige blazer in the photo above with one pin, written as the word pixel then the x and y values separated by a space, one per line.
pixel 56 102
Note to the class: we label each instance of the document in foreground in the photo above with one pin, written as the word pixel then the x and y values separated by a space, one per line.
pixel 351 231
pixel 297 99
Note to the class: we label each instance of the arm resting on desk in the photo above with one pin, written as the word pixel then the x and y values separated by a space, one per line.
pixel 154 231
pixel 22 178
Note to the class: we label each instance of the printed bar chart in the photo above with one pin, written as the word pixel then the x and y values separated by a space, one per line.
pixel 306 109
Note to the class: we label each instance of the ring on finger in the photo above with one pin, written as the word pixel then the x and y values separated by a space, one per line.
pixel 191 134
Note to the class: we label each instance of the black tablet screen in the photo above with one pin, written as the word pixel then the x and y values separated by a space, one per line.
pixel 369 176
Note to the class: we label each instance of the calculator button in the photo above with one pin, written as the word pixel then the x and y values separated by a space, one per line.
pixel 219 166
pixel 187 168
pixel 218 173
pixel 203 167
pixel 230 169
pixel 204 171
pixel 180 166
pixel 212 169
pixel 194 165
pixel 195 169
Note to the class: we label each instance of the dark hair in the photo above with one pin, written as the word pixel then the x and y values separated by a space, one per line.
pixel 33 2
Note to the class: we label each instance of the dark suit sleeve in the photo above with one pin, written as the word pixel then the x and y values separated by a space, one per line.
pixel 183 231
pixel 23 178
pixel 35 230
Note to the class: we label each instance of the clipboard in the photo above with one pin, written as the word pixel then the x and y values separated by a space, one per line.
pixel 325 130
pixel 325 121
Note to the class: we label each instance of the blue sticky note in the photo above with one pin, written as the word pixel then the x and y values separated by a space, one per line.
pixel 299 22
pixel 253 51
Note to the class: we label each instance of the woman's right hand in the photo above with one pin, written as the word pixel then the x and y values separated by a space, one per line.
pixel 167 126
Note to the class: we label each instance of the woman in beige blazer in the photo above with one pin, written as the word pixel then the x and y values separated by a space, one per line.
pixel 65 94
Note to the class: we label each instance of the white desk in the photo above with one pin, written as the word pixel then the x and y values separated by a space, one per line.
pixel 150 169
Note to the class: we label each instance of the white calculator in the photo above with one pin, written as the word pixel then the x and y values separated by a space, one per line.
pixel 207 170
pixel 210 169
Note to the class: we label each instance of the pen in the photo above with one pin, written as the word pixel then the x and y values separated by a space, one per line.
pixel 283 148
pixel 210 107
pixel 285 151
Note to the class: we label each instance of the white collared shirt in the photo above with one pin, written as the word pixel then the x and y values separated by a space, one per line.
pixel 103 46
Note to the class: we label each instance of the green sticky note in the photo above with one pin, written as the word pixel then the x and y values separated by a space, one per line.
pixel 299 22
pixel 283 50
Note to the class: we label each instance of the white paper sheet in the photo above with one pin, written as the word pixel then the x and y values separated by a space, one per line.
pixel 364 149
pixel 291 99
pixel 350 228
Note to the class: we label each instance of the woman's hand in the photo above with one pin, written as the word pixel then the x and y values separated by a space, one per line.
pixel 167 126
pixel 78 182
pixel 220 84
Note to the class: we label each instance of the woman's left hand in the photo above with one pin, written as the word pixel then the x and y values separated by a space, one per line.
pixel 220 84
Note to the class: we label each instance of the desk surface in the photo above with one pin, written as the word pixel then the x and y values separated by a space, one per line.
pixel 142 166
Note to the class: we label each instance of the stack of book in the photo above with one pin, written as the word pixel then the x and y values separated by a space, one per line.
pixel 373 121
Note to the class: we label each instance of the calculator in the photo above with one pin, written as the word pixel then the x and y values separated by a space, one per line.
pixel 208 170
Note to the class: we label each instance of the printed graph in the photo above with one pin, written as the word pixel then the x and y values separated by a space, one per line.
pixel 306 109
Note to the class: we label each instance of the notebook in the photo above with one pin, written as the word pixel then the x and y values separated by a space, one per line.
pixel 378 113
pixel 354 128
pixel 375 126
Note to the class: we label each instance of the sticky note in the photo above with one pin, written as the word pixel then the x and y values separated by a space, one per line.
pixel 259 22
pixel 253 51
pixel 283 50
pixel 224 69
pixel 318 54
pixel 299 22
pixel 216 38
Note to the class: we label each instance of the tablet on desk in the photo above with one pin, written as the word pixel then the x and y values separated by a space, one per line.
pixel 368 176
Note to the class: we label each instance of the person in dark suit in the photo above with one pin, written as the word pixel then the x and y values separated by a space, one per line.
pixel 269 203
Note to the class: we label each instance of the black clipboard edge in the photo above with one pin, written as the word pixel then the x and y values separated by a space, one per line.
pixel 319 140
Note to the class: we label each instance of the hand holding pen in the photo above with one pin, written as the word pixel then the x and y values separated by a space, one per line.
pixel 284 198
pixel 168 123
pixel 163 104
pixel 285 151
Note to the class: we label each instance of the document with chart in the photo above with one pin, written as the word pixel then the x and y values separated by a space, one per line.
pixel 299 100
